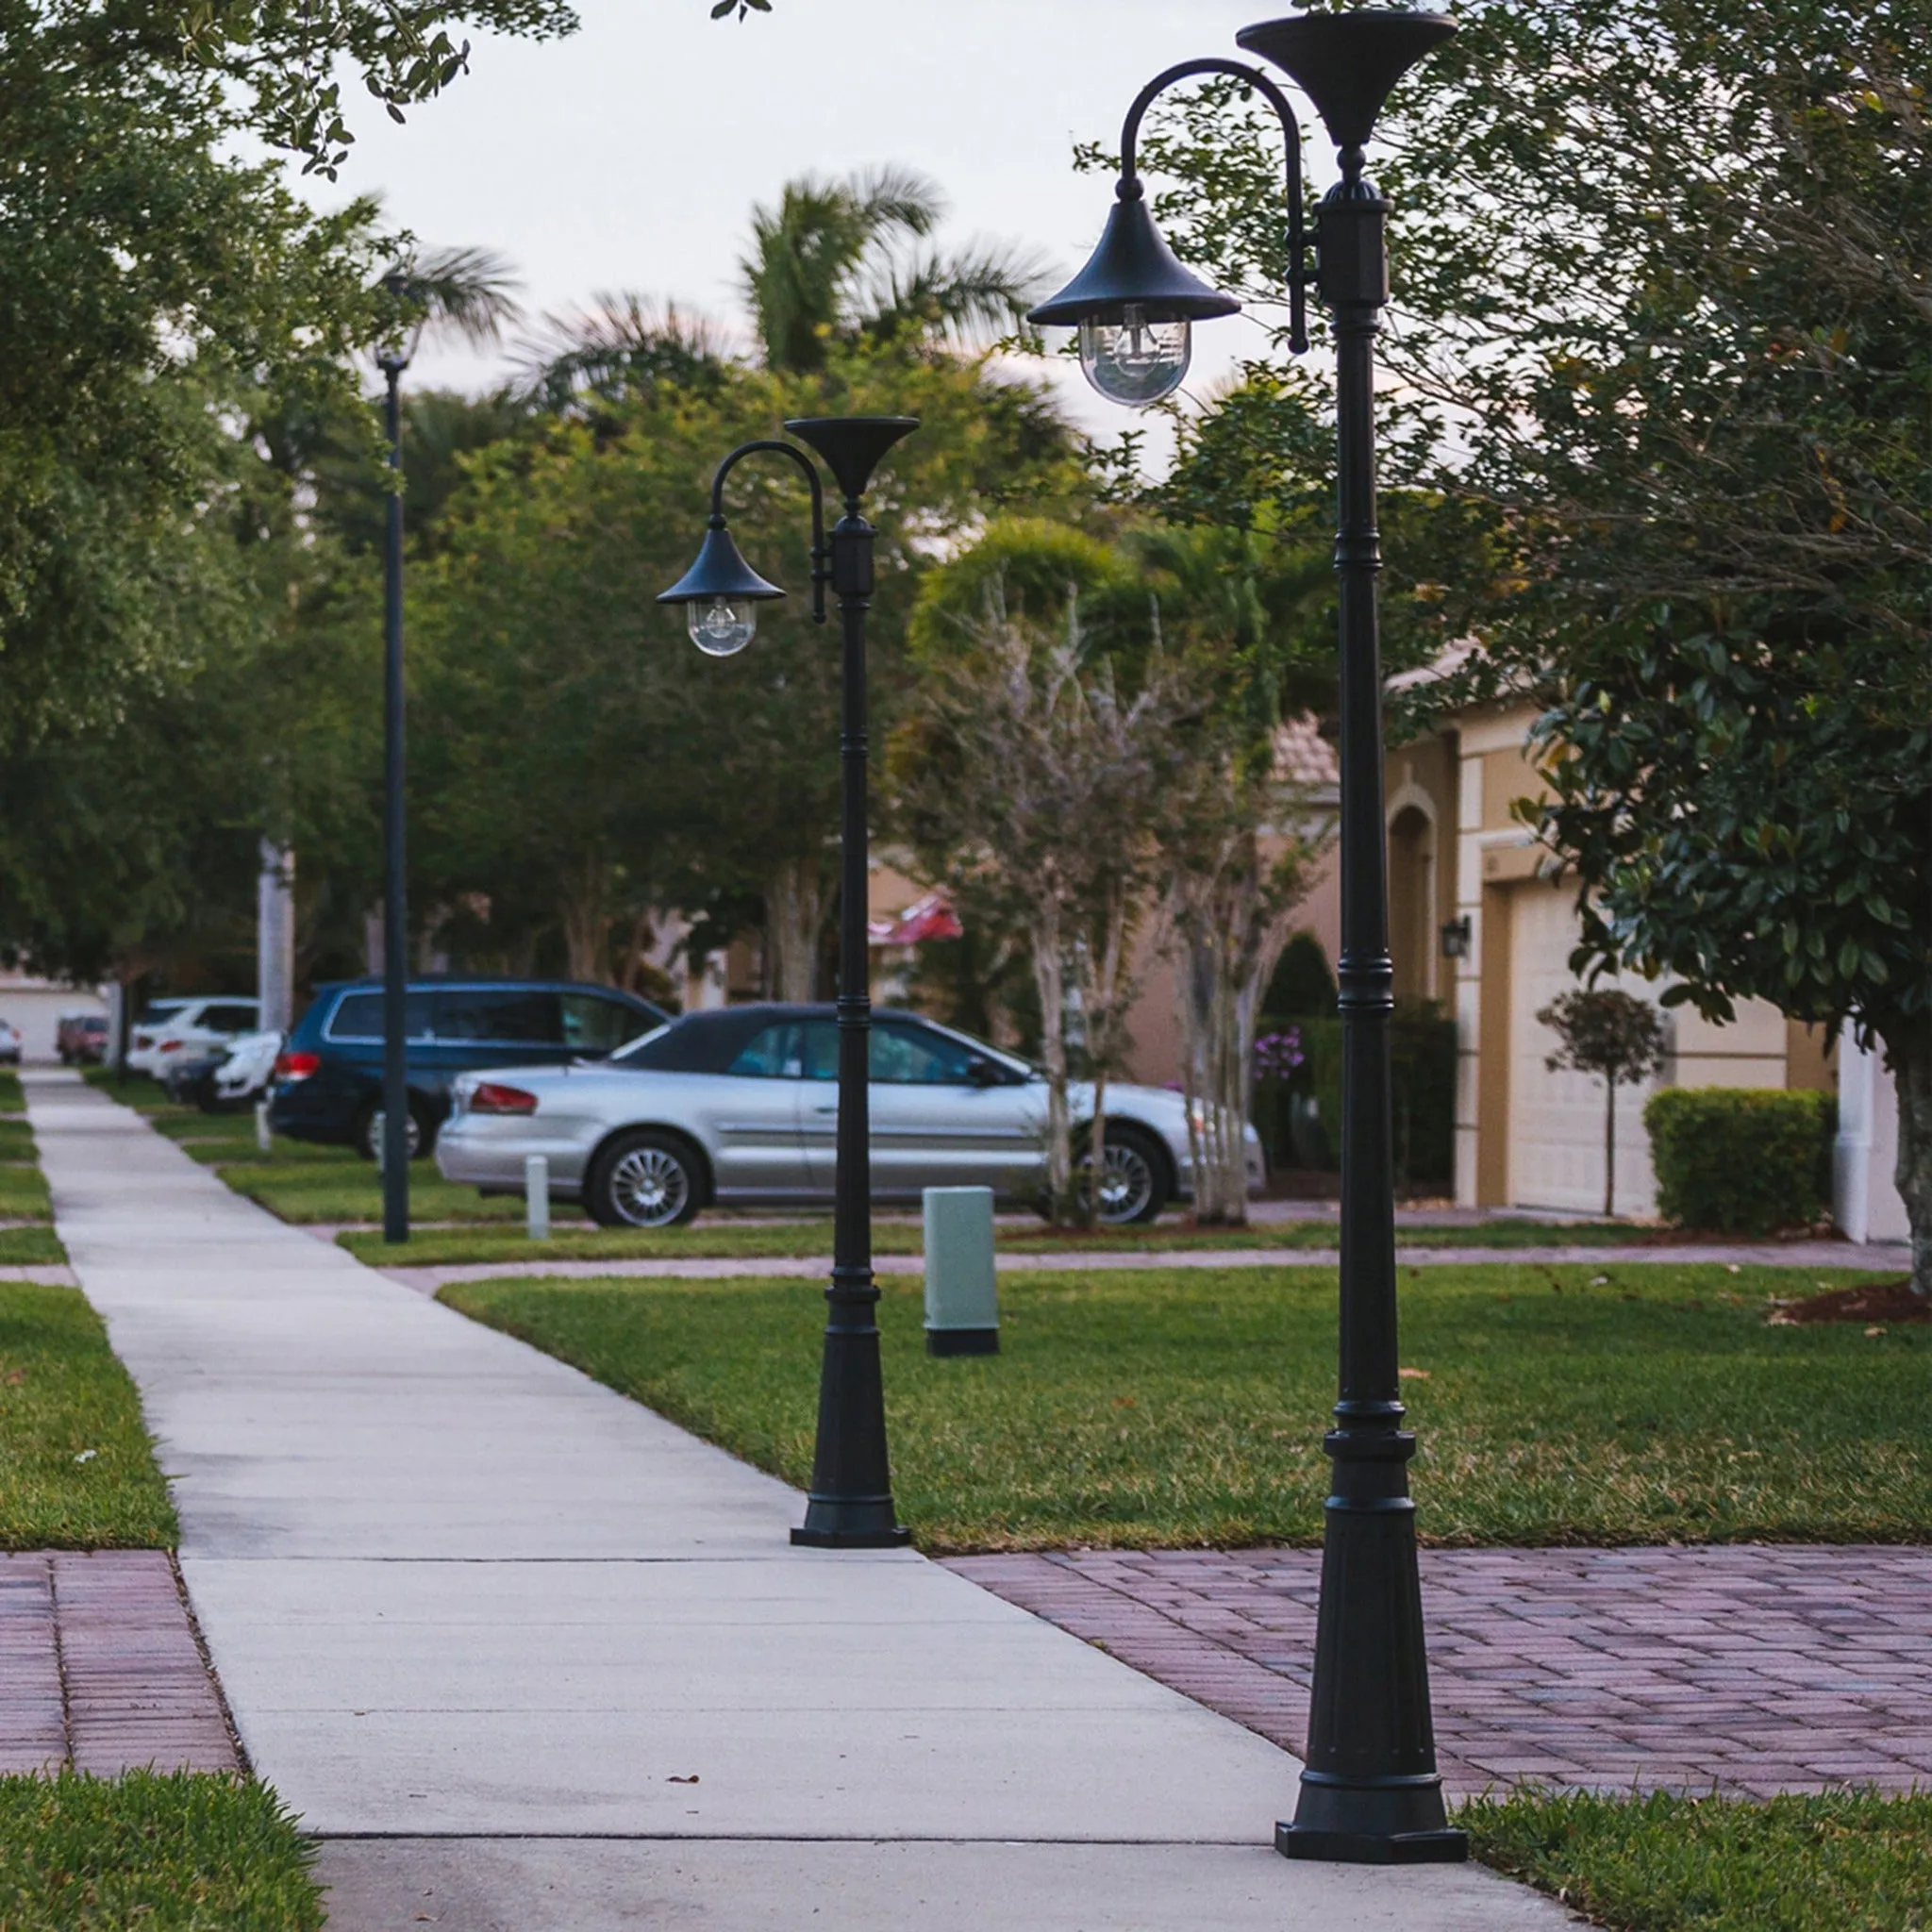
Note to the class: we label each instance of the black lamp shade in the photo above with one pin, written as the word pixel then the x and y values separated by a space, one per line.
pixel 719 571
pixel 1133 264
pixel 1347 62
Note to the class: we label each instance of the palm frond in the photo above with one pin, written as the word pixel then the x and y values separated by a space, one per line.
pixel 620 344
pixel 894 200
pixel 464 291
pixel 967 300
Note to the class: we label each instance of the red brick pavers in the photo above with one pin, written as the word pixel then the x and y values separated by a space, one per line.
pixel 1752 1668
pixel 99 1668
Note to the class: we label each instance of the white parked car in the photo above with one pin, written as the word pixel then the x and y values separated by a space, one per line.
pixel 10 1043
pixel 740 1106
pixel 178 1029
pixel 247 1069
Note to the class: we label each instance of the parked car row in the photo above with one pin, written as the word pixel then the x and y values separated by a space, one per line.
pixel 185 1028
pixel 647 1120
pixel 740 1106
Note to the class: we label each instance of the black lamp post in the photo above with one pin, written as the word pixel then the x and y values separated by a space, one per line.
pixel 851 1501
pixel 395 893
pixel 1370 1792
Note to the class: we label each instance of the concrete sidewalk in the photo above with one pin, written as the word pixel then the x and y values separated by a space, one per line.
pixel 526 1655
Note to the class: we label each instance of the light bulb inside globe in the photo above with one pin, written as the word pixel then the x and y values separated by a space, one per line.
pixel 1133 361
pixel 721 626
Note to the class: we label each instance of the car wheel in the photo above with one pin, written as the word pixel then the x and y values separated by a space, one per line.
pixel 645 1179
pixel 1134 1183
pixel 369 1134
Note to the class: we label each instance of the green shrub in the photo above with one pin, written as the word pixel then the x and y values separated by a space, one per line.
pixel 1741 1159
pixel 1422 1069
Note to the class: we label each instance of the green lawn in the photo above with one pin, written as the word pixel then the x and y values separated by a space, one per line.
pixel 714 1238
pixel 76 1467
pixel 178 1851
pixel 349 1188
pixel 12 1099
pixel 23 1194
pixel 1842 1863
pixel 16 1140
pixel 1554 1404
pixel 30 1247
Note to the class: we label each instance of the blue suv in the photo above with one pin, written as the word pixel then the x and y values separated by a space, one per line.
pixel 328 1079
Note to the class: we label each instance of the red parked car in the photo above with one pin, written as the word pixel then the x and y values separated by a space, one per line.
pixel 81 1039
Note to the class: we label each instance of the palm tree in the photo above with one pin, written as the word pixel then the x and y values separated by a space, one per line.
pixel 621 344
pixel 464 291
pixel 840 258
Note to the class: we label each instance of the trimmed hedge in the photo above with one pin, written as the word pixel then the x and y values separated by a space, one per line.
pixel 1742 1159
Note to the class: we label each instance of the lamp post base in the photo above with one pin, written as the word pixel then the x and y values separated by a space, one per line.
pixel 1444 1847
pixel 812 1535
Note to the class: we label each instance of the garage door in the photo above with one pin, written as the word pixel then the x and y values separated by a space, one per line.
pixel 1557 1120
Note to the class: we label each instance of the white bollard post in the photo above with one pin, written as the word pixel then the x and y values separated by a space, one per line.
pixel 536 1196
pixel 263 1141
pixel 962 1314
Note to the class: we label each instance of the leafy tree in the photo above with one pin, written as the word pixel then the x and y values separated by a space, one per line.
pixel 1033 780
pixel 1660 271
pixel 640 775
pixel 1610 1034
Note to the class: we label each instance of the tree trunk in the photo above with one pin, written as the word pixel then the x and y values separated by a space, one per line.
pixel 1105 989
pixel 1609 1148
pixel 586 912
pixel 1909 1053
pixel 1050 983
pixel 795 899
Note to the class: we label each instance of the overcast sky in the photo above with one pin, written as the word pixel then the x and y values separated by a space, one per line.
pixel 628 156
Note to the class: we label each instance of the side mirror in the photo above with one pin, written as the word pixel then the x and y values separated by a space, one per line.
pixel 981 1072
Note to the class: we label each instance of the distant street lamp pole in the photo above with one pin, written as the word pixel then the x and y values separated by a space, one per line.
pixel 395 892
pixel 1370 1792
pixel 850 1505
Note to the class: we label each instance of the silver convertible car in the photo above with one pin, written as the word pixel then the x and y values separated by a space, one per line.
pixel 740 1106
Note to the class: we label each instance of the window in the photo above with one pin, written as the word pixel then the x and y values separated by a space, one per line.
pixel 358 1016
pixel 911 1057
pixel 229 1017
pixel 521 1016
pixel 773 1052
pixel 596 1025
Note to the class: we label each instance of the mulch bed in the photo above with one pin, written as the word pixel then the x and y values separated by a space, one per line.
pixel 1884 1301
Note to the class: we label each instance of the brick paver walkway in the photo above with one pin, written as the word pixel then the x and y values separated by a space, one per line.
pixel 99 1668
pixel 1757 1669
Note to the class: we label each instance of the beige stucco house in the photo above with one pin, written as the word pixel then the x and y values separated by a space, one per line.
pixel 1483 920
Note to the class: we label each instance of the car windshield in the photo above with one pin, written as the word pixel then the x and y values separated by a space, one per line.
pixel 161 1009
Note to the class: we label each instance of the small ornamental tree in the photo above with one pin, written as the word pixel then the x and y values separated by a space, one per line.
pixel 1612 1035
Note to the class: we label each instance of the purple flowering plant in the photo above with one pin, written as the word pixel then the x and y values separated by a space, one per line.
pixel 1278 1055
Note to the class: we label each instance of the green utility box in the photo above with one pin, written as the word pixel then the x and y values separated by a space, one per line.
pixel 962 1310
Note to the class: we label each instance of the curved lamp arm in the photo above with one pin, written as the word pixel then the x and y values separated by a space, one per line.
pixel 821 551
pixel 1298 276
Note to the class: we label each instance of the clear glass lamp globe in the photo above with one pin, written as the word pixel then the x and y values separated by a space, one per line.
pixel 721 627
pixel 1133 361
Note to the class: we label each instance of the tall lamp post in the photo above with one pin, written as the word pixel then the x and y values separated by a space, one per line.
pixel 1370 1792
pixel 850 1505
pixel 395 891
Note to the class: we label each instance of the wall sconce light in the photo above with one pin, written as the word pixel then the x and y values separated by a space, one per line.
pixel 1456 938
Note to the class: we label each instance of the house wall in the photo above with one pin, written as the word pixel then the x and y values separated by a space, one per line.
pixel 1527 1136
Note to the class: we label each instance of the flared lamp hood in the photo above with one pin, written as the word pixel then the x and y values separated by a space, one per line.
pixel 720 571
pixel 1134 265
pixel 1347 62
